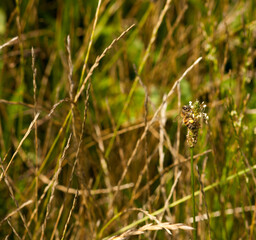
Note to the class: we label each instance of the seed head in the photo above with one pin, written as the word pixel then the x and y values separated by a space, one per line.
pixel 193 115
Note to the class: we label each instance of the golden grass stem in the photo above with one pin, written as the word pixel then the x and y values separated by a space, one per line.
pixel 55 183
pixel 148 125
pixel 98 59
pixel 69 215
pixel 12 194
pixel 19 146
pixel 142 64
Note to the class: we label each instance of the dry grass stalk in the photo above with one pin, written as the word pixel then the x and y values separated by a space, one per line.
pixel 69 190
pixel 144 170
pixel 20 144
pixel 128 128
pixel 45 77
pixel 6 237
pixel 55 230
pixel 17 103
pixel 89 75
pixel 167 202
pixel 69 215
pixel 171 149
pixel 154 33
pixel 150 227
pixel 179 123
pixel 145 57
pixel 247 164
pixel 153 218
pixel 166 170
pixel 162 121
pixel 147 159
pixel 230 211
pixel 171 29
pixel 71 85
pixel 149 124
pixel 13 229
pixel 10 42
pixel 98 60
pixel 219 213
pixel 16 210
pixel 34 70
pixel 83 127
pixel 55 106
pixel 103 161
pixel 55 183
pixel 84 193
pixel 15 201
pixel 39 202
pixel 48 135
pixel 118 139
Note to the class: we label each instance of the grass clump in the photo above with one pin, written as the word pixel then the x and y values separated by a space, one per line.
pixel 91 135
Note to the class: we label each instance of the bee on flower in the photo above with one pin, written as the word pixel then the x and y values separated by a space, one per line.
pixel 193 115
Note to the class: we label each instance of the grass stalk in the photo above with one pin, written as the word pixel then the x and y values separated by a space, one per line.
pixel 34 70
pixel 125 172
pixel 179 201
pixel 90 43
pixel 193 192
pixel 141 66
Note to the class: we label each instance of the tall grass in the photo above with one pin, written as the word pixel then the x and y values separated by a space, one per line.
pixel 91 138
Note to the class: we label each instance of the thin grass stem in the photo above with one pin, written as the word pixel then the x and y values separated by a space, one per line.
pixel 178 202
pixel 193 191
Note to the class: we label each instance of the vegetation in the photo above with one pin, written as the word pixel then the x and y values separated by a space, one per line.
pixel 91 134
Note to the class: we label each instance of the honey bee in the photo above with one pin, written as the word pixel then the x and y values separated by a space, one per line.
pixel 193 115
pixel 188 118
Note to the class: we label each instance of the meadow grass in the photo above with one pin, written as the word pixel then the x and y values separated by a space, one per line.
pixel 91 134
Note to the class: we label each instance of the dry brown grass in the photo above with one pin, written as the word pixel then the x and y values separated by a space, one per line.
pixel 125 173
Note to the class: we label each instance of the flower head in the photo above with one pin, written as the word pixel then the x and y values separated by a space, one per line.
pixel 193 115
